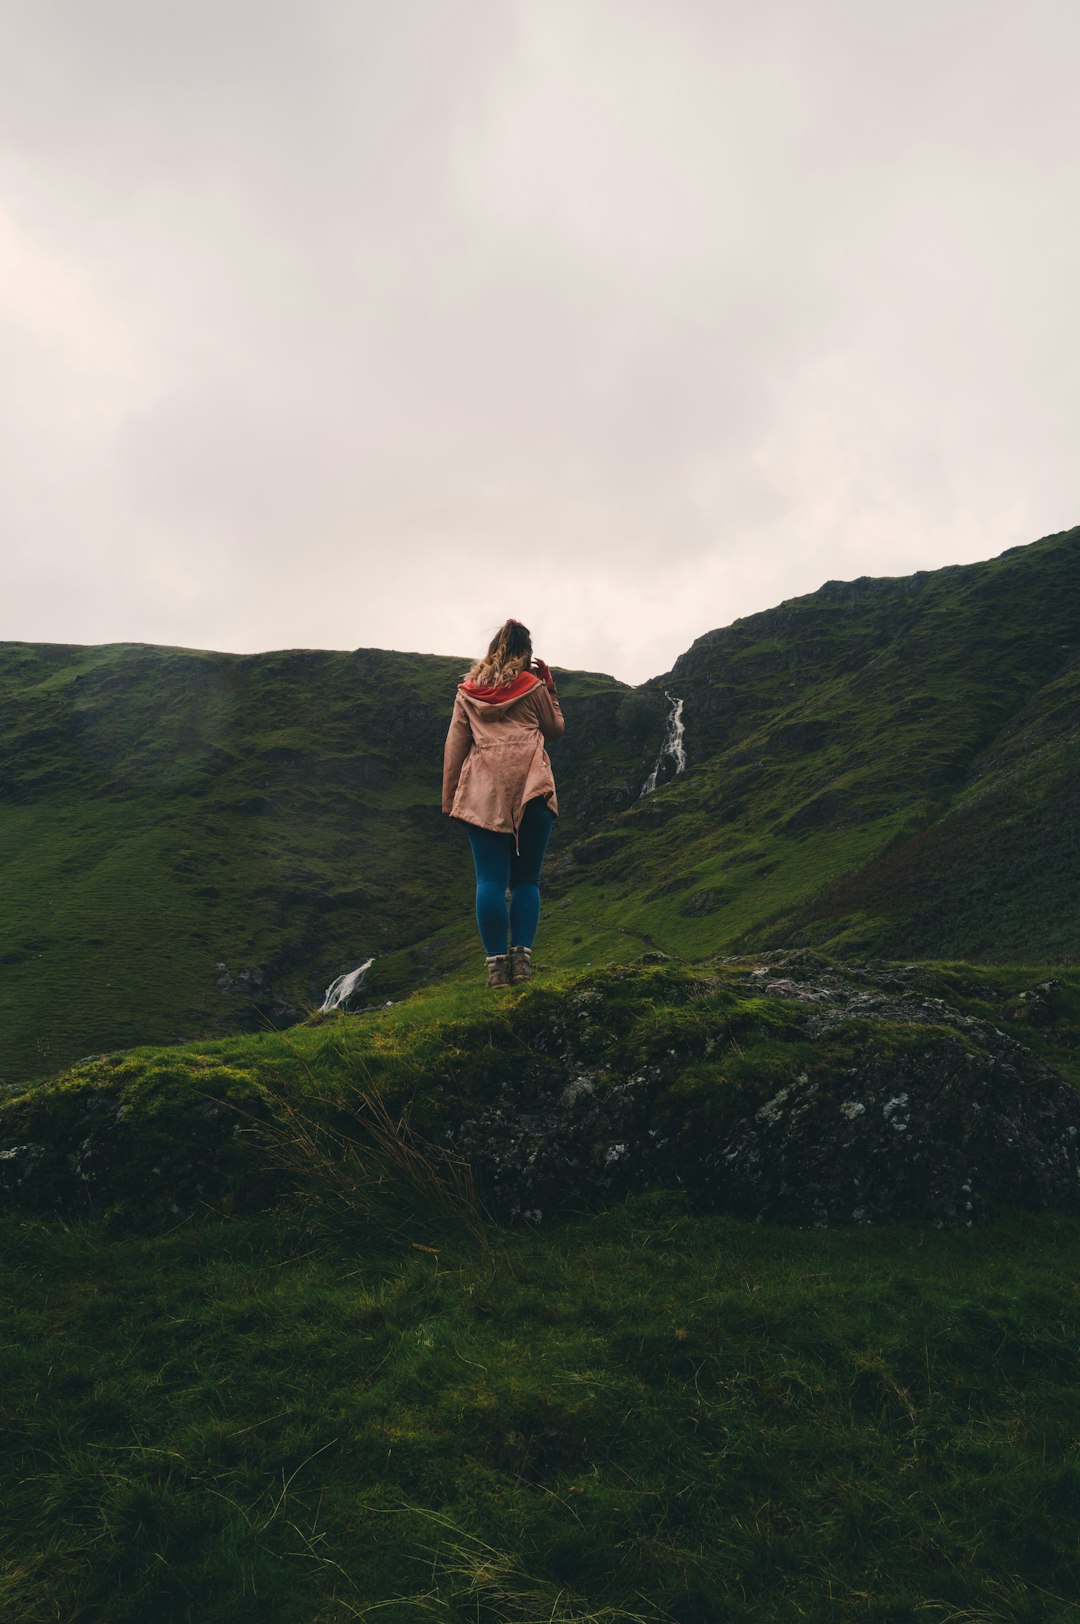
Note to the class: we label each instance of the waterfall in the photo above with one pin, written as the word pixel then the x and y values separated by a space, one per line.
pixel 672 746
pixel 344 987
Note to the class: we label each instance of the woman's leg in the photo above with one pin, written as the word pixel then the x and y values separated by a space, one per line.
pixel 533 836
pixel 491 858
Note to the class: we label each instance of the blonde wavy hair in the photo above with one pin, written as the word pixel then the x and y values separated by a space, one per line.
pixel 509 653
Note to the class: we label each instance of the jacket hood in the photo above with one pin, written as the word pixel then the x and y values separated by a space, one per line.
pixel 502 693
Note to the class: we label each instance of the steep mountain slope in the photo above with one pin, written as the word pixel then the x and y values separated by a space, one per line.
pixel 885 765
pixel 999 875
pixel 194 843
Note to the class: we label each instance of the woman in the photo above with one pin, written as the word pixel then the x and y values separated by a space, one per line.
pixel 497 779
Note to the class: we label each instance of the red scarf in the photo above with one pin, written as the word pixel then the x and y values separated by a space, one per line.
pixel 502 693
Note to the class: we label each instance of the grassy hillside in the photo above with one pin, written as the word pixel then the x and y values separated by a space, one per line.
pixel 648 1417
pixel 998 875
pixel 194 843
pixel 329 1387
pixel 883 766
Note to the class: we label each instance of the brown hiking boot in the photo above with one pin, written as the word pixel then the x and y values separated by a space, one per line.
pixel 521 964
pixel 498 970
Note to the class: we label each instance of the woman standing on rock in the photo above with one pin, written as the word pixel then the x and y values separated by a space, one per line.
pixel 497 780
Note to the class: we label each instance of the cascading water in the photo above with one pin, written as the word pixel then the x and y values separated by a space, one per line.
pixel 672 747
pixel 344 987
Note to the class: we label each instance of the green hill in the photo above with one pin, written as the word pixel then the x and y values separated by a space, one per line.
pixel 884 766
pixel 710 1277
pixel 194 843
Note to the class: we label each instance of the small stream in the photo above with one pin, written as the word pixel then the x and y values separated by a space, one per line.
pixel 344 987
pixel 672 748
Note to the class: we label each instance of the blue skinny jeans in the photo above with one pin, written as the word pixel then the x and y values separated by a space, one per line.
pixel 498 866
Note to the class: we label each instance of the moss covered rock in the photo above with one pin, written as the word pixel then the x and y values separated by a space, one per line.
pixel 144 1142
pixel 783 1087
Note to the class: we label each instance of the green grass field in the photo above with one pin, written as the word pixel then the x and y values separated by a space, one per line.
pixel 635 1415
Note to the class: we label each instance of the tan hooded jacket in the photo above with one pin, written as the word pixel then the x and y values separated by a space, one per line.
pixel 494 761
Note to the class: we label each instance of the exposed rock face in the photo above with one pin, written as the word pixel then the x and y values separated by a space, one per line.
pixel 576 1140
pixel 940 1131
pixel 255 988
pixel 700 903
pixel 938 1118
pixel 942 1135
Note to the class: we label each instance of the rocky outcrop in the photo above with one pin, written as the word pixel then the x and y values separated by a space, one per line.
pixel 780 1087
pixel 903 1109
pixel 147 1146
pixel 949 1120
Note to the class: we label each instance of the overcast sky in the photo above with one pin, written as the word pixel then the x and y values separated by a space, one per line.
pixel 343 323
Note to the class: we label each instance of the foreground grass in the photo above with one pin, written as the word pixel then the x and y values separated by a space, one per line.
pixel 635 1415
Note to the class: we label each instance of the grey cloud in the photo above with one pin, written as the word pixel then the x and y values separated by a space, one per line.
pixel 672 309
